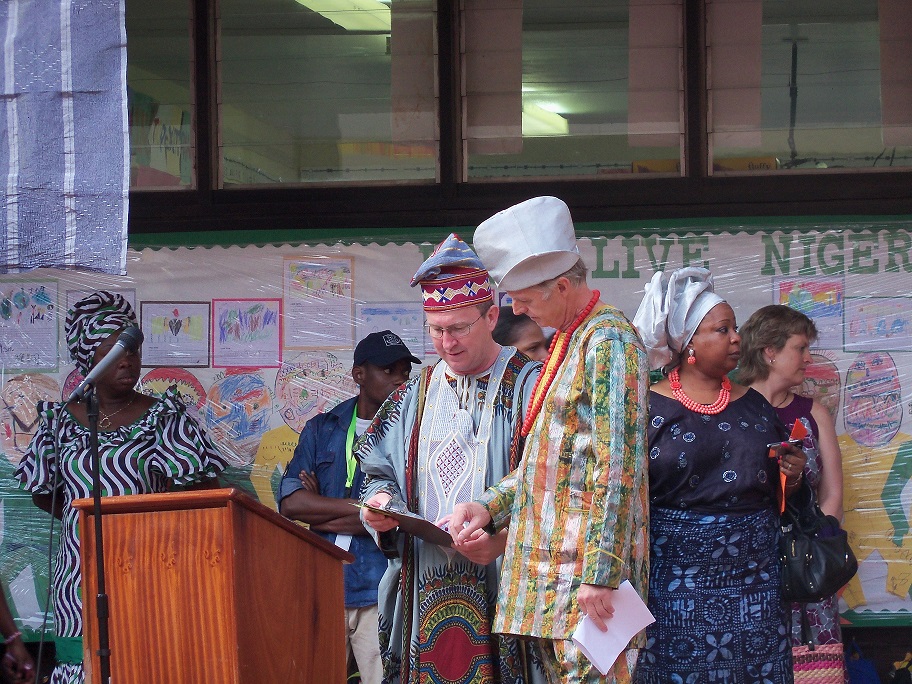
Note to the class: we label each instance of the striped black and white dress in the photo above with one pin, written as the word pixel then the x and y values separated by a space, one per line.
pixel 164 446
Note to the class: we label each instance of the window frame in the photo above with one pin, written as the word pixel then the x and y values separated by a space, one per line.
pixel 453 202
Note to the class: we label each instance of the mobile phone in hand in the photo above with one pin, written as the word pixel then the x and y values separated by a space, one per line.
pixel 793 442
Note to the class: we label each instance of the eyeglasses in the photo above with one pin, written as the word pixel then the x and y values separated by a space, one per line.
pixel 460 330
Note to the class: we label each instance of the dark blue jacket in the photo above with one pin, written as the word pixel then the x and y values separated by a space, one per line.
pixel 321 450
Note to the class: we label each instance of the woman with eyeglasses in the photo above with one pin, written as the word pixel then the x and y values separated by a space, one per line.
pixel 775 353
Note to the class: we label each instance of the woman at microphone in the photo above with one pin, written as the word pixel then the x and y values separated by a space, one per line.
pixel 145 445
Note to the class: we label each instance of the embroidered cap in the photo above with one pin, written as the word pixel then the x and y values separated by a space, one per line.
pixel 528 243
pixel 382 349
pixel 453 277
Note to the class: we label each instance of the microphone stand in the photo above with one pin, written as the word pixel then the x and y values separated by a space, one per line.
pixel 101 598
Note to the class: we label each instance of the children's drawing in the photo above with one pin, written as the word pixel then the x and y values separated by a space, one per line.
pixel 318 303
pixel 176 334
pixel 246 333
pixel 28 325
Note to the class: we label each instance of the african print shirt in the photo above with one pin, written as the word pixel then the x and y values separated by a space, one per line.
pixel 435 606
pixel 578 502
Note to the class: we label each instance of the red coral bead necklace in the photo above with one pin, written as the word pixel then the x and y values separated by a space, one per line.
pixel 561 342
pixel 719 405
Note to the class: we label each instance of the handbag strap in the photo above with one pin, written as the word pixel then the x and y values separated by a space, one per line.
pixel 802 510
pixel 806 628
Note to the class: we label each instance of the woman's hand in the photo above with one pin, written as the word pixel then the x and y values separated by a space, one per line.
pixel 18 664
pixel 792 460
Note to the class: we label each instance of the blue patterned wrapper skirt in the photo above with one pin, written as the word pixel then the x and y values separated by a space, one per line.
pixel 714 589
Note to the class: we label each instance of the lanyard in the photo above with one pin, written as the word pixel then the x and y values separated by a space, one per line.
pixel 350 462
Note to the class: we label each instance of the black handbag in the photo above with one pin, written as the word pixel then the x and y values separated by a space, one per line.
pixel 814 550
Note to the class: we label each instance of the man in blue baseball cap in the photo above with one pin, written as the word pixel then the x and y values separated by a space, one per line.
pixel 323 479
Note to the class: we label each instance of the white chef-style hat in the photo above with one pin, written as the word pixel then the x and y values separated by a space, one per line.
pixel 527 244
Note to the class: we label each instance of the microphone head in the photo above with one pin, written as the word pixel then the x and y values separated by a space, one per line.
pixel 131 338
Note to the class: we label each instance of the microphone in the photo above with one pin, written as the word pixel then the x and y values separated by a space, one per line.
pixel 128 342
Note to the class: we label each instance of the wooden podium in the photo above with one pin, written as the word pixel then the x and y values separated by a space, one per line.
pixel 212 586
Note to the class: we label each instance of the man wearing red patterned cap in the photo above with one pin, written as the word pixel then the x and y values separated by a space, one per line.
pixel 441 439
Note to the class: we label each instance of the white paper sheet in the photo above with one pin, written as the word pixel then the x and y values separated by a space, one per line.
pixel 343 541
pixel 631 616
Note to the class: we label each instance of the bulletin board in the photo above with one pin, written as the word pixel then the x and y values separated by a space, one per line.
pixel 268 330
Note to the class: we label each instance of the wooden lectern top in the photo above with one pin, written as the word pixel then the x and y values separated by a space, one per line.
pixel 208 498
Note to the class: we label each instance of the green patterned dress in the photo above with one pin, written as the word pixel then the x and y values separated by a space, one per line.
pixel 164 447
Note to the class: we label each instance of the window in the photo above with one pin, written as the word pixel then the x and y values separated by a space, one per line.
pixel 325 91
pixel 159 95
pixel 803 85
pixel 572 89
pixel 316 93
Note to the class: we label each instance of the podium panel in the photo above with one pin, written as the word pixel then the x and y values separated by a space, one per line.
pixel 212 586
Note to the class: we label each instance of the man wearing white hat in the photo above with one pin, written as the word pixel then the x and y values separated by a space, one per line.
pixel 445 437
pixel 577 506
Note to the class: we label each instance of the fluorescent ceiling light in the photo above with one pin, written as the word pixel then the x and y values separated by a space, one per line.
pixel 353 15
pixel 539 122
pixel 551 107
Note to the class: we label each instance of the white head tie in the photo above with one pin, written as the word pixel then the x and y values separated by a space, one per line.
pixel 671 312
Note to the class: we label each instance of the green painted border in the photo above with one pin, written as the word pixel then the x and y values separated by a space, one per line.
pixel 748 224
pixel 292 237
pixel 880 619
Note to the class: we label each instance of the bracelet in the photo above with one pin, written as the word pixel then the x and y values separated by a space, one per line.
pixel 11 638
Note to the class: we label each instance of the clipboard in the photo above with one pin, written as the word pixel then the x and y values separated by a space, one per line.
pixel 413 524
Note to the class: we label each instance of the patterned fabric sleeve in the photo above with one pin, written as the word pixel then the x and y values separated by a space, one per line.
pixel 36 470
pixel 381 450
pixel 499 498
pixel 617 418
pixel 186 454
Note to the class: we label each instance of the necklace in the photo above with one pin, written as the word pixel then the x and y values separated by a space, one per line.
pixel 105 422
pixel 788 395
pixel 561 342
pixel 719 405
